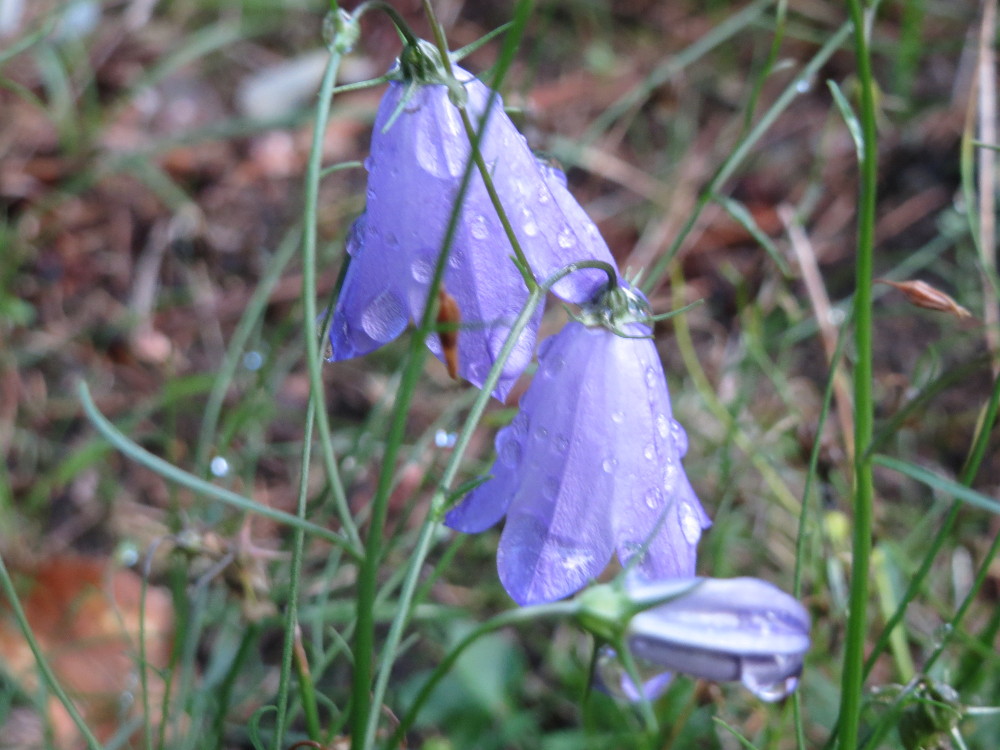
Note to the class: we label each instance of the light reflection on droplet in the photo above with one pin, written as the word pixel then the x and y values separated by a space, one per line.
pixel 219 466
pixel 253 360
pixel 445 439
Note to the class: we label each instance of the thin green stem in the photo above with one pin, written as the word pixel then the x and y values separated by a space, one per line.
pixel 475 135
pixel 237 343
pixel 291 620
pixel 309 241
pixel 504 619
pixel 363 719
pixel 852 680
pixel 174 474
pixel 742 150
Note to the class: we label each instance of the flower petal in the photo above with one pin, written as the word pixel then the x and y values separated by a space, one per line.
pixel 371 309
pixel 418 155
pixel 654 507
pixel 557 536
pixel 723 629
pixel 591 462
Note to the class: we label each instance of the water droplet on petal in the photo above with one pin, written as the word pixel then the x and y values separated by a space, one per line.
pixel 369 163
pixel 652 499
pixel 519 356
pixel 618 417
pixel 529 224
pixel 649 452
pixel 690 525
pixel 652 378
pixel 519 426
pixel 562 443
pixel 384 318
pixel 510 450
pixel 479 228
pixel 758 677
pixel 422 271
pixel 609 465
pixel 680 438
pixel 565 238
pixel 662 425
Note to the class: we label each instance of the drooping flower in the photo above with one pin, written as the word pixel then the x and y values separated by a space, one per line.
pixel 419 153
pixel 590 465
pixel 736 629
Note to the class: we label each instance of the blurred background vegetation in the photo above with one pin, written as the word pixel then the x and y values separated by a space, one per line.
pixel 151 170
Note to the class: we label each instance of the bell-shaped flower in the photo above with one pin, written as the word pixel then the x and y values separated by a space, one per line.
pixel 419 153
pixel 591 464
pixel 736 629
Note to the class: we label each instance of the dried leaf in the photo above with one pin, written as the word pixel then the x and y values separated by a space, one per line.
pixel 449 315
pixel 86 618
pixel 922 294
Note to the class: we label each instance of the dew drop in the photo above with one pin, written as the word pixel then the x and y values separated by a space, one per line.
pixel 574 559
pixel 422 271
pixel 803 85
pixel 662 425
pixel 562 443
pixel 519 356
pixel 253 360
pixel 542 434
pixel 609 465
pixel 566 239
pixel 219 466
pixel 510 451
pixel 369 163
pixel 519 426
pixel 618 417
pixel 529 224
pixel 649 452
pixel 479 228
pixel 690 525
pixel 553 367
pixel 651 377
pixel 652 499
pixel 384 318
pixel 445 439
pixel 767 689
pixel 680 438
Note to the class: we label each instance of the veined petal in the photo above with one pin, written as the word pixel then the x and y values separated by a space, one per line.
pixel 723 629
pixel 371 309
pixel 418 156
pixel 591 462
pixel 655 508
pixel 557 536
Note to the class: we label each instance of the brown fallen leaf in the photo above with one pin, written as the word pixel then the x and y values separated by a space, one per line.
pixel 86 617
pixel 922 294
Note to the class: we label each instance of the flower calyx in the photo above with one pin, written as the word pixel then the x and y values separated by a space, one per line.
pixel 618 308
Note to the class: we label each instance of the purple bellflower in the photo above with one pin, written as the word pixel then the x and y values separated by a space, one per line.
pixel 731 629
pixel 419 153
pixel 591 464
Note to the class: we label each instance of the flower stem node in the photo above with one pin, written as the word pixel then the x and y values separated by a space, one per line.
pixel 341 31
